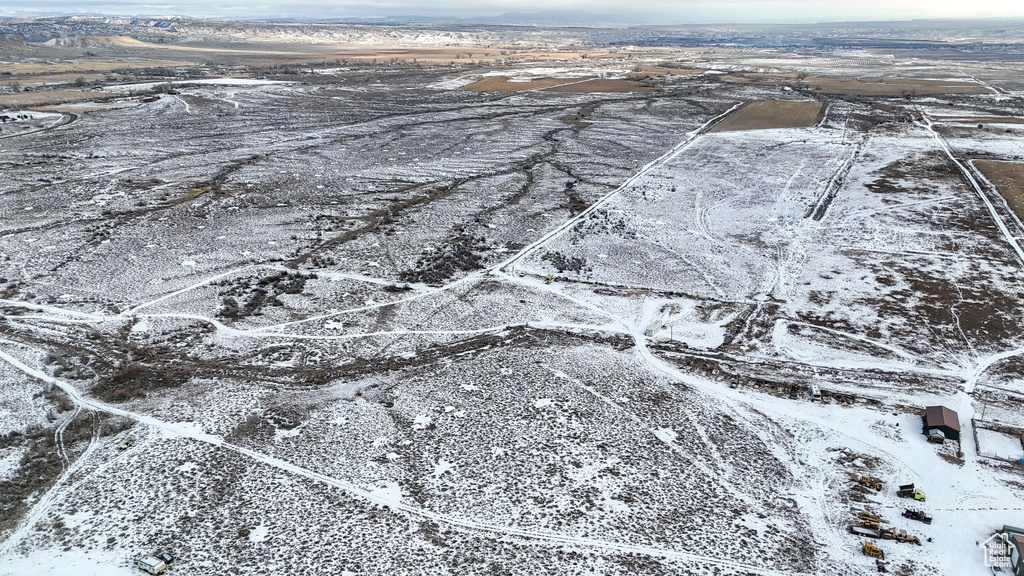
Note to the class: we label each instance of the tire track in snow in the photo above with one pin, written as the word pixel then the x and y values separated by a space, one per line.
pixel 648 168
pixel 371 496
pixel 977 187
pixel 37 512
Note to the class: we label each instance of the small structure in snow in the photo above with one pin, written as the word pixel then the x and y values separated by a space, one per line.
pixel 654 328
pixel 942 419
pixel 151 564
pixel 815 391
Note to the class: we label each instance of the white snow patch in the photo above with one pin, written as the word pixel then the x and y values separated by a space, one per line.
pixel 441 467
pixel 666 435
pixel 543 403
pixel 187 467
pixel 390 494
pixel 280 433
pixel 76 561
pixel 999 444
pixel 259 534
pixel 10 459
pixel 421 422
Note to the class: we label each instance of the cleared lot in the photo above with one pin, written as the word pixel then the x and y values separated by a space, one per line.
pixel 1008 178
pixel 768 114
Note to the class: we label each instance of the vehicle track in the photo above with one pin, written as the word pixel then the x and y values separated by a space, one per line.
pixel 66 118
pixel 510 263
pixel 928 125
pixel 36 514
pixel 535 535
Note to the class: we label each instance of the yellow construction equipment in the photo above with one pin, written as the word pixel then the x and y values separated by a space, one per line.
pixel 867 481
pixel 902 536
pixel 869 517
pixel 873 551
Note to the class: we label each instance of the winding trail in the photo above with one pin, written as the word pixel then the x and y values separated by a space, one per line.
pixel 190 432
pixel 65 119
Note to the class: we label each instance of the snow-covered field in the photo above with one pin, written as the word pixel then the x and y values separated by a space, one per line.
pixel 307 328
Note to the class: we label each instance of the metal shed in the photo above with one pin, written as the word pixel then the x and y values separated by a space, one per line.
pixel 944 420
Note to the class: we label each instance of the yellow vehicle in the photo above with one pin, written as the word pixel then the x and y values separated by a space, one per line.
pixel 873 551
pixel 869 517
pixel 867 481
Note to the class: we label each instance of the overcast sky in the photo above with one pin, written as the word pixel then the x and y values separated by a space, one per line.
pixel 654 11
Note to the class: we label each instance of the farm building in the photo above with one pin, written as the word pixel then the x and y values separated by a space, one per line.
pixel 943 420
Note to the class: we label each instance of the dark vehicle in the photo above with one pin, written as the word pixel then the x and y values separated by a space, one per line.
pixel 918 515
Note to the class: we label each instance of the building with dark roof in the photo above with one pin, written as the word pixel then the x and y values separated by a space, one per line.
pixel 942 419
pixel 1017 554
pixel 1014 539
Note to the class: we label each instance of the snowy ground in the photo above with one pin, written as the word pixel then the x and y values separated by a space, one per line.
pixel 401 330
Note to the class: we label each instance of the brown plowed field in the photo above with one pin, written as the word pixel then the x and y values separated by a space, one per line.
pixel 1008 178
pixel 768 114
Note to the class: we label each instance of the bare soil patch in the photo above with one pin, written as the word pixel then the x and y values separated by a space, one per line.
pixel 1008 178
pixel 768 114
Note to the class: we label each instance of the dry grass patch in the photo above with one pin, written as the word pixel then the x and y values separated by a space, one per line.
pixel 46 97
pixel 83 65
pixel 1008 178
pixel 769 114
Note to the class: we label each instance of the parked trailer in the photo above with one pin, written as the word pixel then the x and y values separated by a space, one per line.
pixel 865 532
